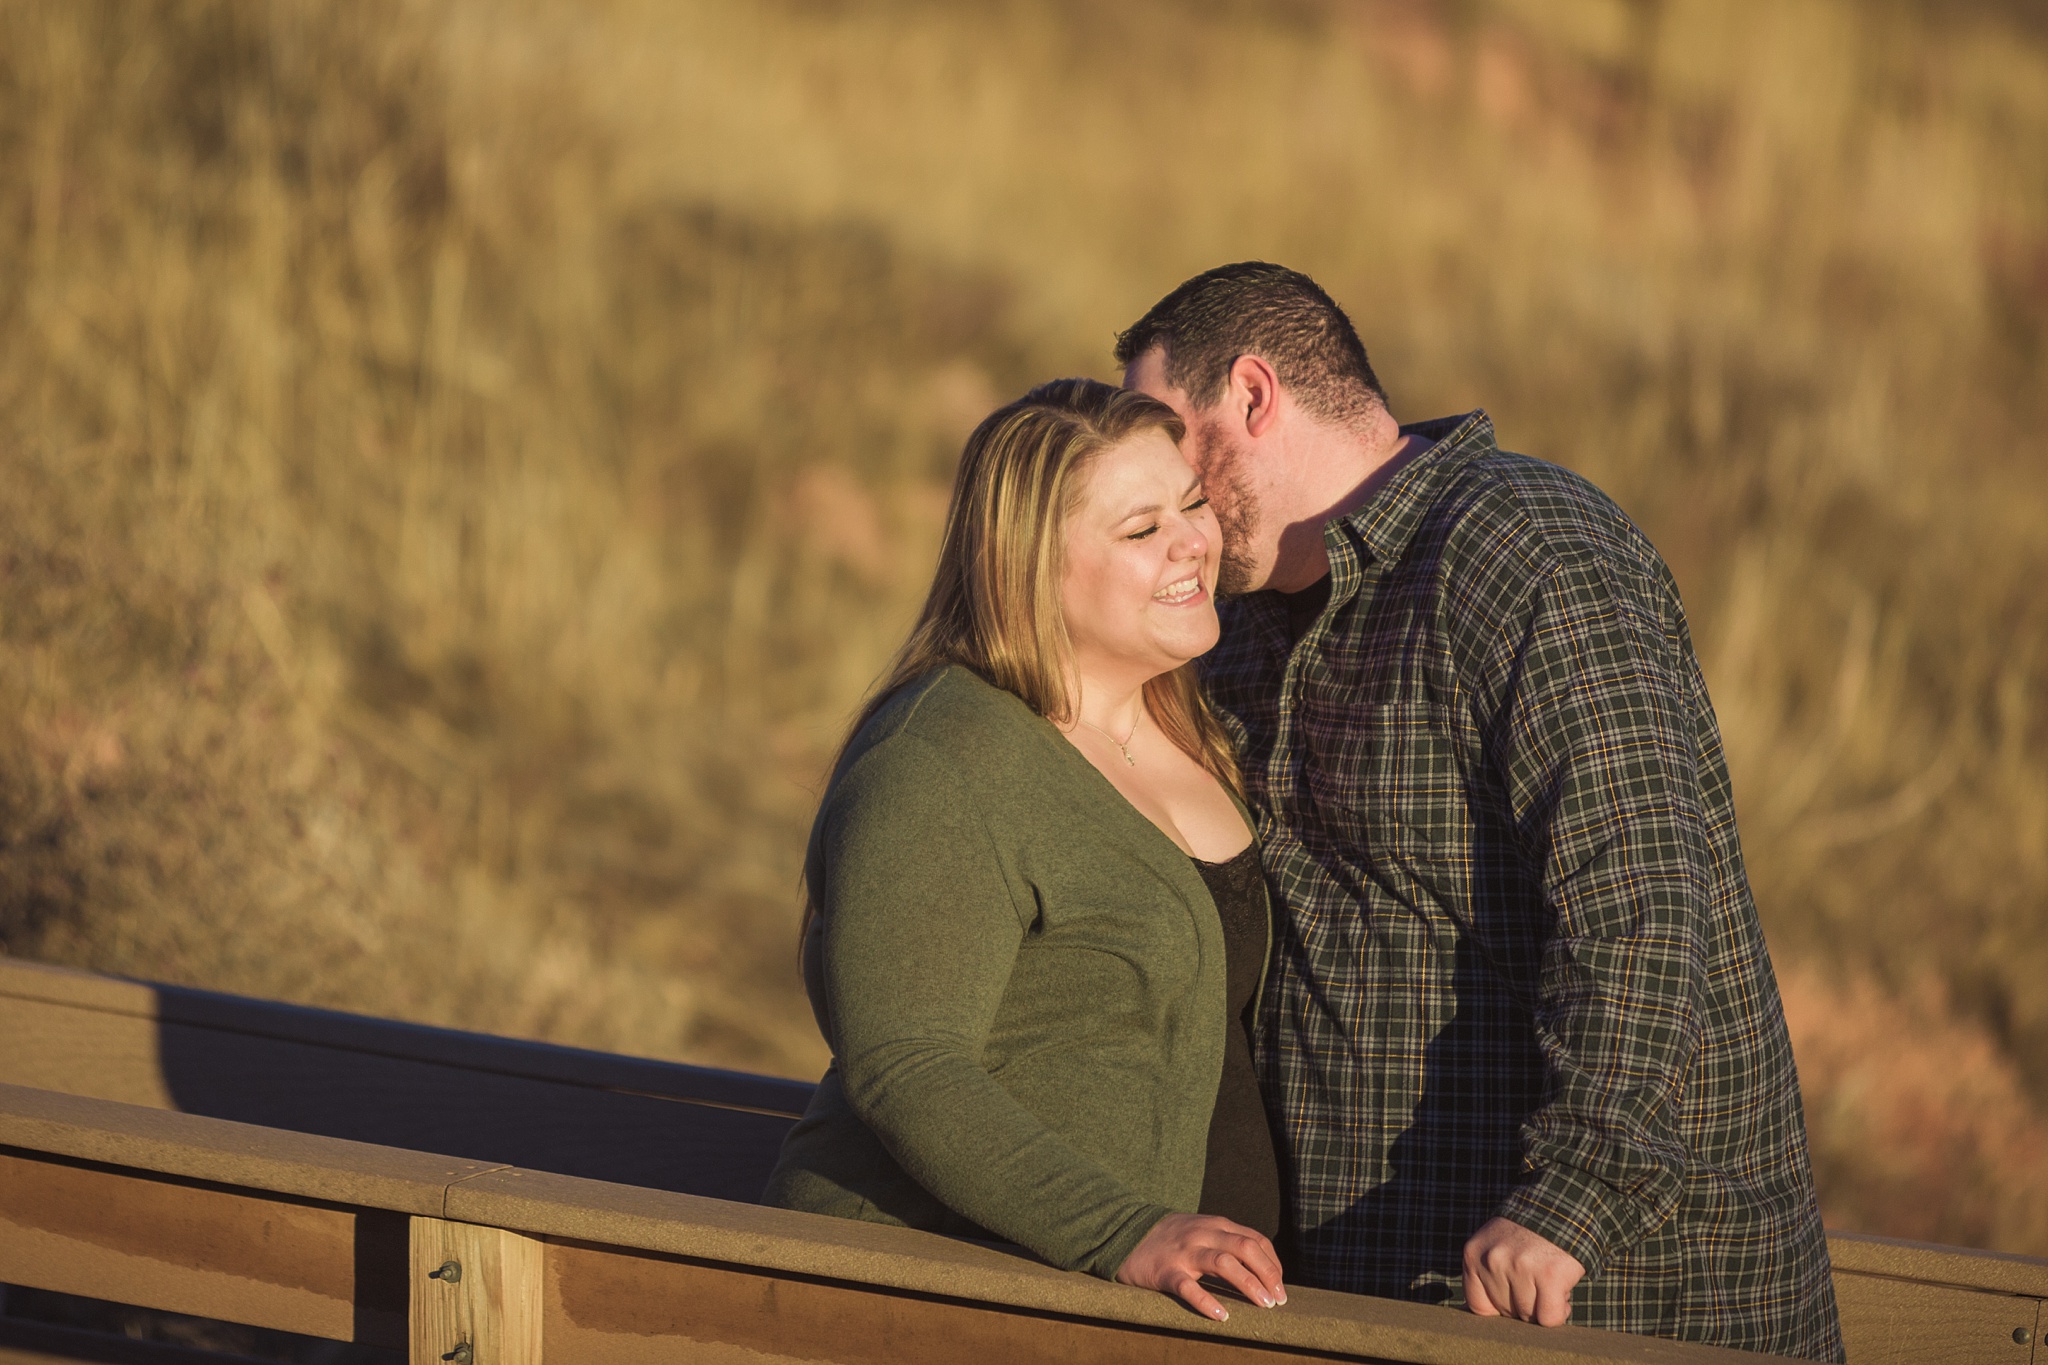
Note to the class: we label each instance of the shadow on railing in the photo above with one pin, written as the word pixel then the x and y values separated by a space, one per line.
pixel 692 1130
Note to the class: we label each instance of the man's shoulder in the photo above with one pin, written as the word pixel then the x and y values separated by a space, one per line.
pixel 1498 508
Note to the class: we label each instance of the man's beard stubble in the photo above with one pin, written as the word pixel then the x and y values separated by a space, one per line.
pixel 1230 496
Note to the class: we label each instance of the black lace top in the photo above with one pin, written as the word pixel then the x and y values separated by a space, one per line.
pixel 1242 1179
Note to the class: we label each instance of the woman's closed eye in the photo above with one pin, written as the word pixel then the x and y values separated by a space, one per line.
pixel 1197 505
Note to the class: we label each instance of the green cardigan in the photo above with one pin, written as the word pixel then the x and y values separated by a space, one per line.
pixel 1022 980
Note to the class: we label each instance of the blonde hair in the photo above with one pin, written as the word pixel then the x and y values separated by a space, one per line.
pixel 994 604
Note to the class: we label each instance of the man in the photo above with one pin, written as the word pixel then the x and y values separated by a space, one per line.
pixel 1522 1043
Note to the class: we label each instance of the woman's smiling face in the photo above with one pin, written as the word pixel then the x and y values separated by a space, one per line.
pixel 1141 554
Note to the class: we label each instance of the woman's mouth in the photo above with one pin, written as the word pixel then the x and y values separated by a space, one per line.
pixel 1181 593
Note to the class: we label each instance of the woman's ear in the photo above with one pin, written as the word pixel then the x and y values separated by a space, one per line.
pixel 1254 394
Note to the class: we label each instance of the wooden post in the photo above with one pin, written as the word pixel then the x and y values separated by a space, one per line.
pixel 476 1295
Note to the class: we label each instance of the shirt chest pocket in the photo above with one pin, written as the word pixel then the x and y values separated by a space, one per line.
pixel 1386 775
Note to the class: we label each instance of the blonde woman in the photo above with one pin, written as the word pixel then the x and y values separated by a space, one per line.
pixel 1037 921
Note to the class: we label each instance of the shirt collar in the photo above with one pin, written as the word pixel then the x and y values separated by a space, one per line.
pixel 1380 529
pixel 1387 521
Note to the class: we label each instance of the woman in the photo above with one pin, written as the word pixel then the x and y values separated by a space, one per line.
pixel 1035 1008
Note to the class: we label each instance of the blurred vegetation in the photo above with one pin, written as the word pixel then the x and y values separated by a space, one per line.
pixel 461 463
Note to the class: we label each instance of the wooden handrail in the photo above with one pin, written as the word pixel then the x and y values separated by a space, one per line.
pixel 1890 1258
pixel 213 1161
pixel 97 1074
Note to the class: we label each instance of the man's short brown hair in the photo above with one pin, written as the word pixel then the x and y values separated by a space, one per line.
pixel 1253 308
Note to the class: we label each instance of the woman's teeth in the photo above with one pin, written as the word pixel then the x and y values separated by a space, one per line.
pixel 1175 593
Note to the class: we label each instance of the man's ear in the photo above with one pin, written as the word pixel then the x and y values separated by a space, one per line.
pixel 1254 394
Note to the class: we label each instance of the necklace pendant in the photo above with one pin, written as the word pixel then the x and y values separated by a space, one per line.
pixel 1122 745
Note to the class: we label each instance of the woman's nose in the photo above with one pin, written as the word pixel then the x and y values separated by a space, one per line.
pixel 1190 541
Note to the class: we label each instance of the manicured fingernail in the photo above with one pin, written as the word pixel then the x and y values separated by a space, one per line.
pixel 1264 1301
pixel 1223 1315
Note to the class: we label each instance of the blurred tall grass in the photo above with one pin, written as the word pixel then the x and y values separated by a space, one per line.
pixel 461 463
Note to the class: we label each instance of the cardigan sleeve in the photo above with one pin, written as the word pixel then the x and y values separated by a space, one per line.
pixel 921 932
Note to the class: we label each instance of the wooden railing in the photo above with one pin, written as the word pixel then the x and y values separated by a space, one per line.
pixel 488 1202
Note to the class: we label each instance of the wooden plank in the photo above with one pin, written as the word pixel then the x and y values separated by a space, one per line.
pixel 1857 1253
pixel 315 1269
pixel 220 1012
pixel 227 1153
pixel 476 1291
pixel 491 1115
pixel 1901 1322
pixel 82 1052
pixel 484 1116
pixel 606 1307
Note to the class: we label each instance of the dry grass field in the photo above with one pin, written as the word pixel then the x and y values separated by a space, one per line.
pixel 461 462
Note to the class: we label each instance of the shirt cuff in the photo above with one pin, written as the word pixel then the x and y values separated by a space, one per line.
pixel 1581 1213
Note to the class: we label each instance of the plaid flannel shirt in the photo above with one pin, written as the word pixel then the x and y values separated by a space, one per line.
pixel 1517 967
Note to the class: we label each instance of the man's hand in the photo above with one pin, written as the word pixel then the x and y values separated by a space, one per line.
pixel 1510 1270
pixel 1183 1247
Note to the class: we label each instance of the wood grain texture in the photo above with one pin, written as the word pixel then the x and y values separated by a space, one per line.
pixel 396 1085
pixel 58 986
pixel 608 1308
pixel 867 1257
pixel 1857 1253
pixel 81 1052
pixel 1899 1322
pixel 240 1154
pixel 491 1302
pixel 186 1248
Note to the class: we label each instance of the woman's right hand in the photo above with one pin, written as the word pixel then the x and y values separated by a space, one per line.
pixel 1183 1247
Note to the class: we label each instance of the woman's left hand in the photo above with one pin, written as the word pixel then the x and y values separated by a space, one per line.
pixel 1183 1247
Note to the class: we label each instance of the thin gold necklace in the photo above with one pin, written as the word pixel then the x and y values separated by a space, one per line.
pixel 1123 745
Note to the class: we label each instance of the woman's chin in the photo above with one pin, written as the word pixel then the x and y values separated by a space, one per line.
pixel 1185 646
